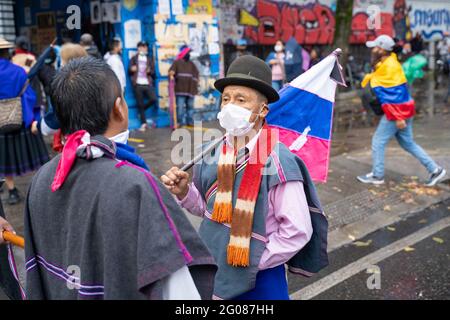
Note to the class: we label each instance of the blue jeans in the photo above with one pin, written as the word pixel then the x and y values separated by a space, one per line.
pixel 385 132
pixel 277 84
pixel 185 110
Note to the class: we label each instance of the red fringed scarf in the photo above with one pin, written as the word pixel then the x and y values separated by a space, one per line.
pixel 241 216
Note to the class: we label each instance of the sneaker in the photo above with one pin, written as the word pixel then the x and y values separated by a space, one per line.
pixel 436 176
pixel 143 127
pixel 370 178
pixel 14 197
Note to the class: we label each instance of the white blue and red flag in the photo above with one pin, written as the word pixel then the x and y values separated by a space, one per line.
pixel 304 114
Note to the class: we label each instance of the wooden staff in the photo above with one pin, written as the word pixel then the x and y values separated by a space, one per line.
pixel 14 239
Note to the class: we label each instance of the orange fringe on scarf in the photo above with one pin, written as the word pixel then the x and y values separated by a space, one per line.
pixel 238 256
pixel 222 212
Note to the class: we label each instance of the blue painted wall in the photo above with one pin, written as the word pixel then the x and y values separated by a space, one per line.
pixel 144 11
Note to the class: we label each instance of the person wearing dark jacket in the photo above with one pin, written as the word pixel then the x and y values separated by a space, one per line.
pixel 141 69
pixel 87 42
pixel 186 76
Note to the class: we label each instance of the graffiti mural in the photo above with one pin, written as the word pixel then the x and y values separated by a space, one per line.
pixel 266 21
pixel 431 19
pixel 400 19
pixel 363 14
pixel 200 31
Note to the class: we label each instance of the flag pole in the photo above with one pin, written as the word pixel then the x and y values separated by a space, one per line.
pixel 211 147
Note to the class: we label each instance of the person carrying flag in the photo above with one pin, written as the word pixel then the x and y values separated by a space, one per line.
pixel 254 194
pixel 389 84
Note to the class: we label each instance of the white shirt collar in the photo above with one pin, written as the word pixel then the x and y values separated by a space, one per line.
pixel 250 145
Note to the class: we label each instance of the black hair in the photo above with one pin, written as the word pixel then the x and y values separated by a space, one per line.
pixel 4 54
pixel 114 43
pixel 142 44
pixel 83 94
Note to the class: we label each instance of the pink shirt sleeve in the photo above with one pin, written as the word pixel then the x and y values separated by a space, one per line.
pixel 288 225
pixel 193 202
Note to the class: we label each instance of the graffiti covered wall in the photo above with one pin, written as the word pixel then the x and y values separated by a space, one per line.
pixel 266 21
pixel 198 28
pixel 399 18
pixel 431 19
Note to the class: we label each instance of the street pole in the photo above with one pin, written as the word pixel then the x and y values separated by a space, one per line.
pixel 431 82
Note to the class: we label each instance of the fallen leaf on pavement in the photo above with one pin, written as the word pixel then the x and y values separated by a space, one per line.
pixel 407 197
pixel 438 240
pixel 409 249
pixel 391 228
pixel 351 237
pixel 373 270
pixel 387 208
pixel 362 243
pixel 423 221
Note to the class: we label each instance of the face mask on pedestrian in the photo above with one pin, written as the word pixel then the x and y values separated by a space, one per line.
pixel 235 120
pixel 278 48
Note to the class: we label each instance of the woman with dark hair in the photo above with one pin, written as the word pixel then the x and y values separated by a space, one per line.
pixel 24 150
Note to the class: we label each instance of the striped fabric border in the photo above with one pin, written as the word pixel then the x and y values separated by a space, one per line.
pixel 280 170
pixel 213 189
pixel 254 235
pixel 83 289
pixel 12 265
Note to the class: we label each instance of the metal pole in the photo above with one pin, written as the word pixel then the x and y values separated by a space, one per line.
pixel 431 82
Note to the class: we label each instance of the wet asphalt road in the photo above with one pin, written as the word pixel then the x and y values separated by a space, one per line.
pixel 418 270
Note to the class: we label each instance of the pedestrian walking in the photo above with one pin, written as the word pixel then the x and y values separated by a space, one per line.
pixel 389 84
pixel 142 71
pixel 186 76
pixel 22 150
pixel 114 59
pixel 87 42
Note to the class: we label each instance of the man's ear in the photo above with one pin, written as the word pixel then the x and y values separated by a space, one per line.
pixel 264 111
pixel 118 109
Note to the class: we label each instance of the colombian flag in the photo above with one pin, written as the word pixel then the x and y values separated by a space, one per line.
pixel 390 85
pixel 304 114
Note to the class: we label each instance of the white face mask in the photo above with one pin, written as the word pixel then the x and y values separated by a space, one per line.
pixel 235 120
pixel 121 137
pixel 278 48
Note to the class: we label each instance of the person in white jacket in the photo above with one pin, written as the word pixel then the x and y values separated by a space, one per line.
pixel 114 60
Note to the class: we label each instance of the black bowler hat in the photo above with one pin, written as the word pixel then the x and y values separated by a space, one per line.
pixel 252 72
